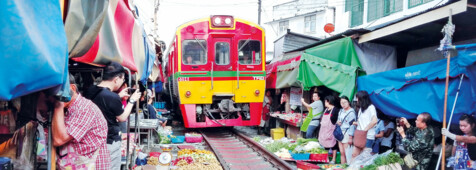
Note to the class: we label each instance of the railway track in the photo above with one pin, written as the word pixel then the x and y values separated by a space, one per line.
pixel 236 151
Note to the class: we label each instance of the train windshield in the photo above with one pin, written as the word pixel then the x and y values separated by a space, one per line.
pixel 194 52
pixel 250 52
pixel 222 53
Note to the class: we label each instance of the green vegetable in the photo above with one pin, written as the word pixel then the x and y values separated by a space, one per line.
pixel 301 141
pixel 164 140
pixel 276 146
pixel 317 151
pixel 256 139
pixel 370 167
pixel 395 158
pixel 386 160
pixel 292 146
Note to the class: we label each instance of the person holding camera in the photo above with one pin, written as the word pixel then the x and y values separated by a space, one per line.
pixel 421 146
pixel 105 97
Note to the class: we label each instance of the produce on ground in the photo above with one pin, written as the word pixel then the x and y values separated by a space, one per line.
pixel 153 161
pixel 276 146
pixel 383 160
pixel 164 140
pixel 196 159
pixel 283 153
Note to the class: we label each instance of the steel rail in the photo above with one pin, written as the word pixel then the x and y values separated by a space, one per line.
pixel 273 159
pixel 267 156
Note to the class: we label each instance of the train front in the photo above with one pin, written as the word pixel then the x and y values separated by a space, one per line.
pixel 221 72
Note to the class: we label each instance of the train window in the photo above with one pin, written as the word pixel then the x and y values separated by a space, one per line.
pixel 194 52
pixel 249 52
pixel 222 53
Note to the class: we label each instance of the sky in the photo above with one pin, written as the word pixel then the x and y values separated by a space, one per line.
pixel 173 13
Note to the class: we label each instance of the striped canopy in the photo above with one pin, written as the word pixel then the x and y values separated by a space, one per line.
pixel 103 31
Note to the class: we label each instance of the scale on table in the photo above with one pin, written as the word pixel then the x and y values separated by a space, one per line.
pixel 165 157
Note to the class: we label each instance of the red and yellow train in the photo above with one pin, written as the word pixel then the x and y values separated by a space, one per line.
pixel 215 72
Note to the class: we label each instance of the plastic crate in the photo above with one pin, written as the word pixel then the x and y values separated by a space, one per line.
pixel 300 156
pixel 159 105
pixel 177 139
pixel 306 166
pixel 319 157
pixel 277 133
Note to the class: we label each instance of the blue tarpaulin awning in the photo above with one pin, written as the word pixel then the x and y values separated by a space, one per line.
pixel 34 53
pixel 409 91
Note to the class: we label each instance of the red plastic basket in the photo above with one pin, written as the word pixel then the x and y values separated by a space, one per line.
pixel 154 154
pixel 306 166
pixel 193 139
pixel 319 157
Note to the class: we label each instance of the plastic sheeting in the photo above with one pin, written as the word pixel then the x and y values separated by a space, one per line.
pixel 340 51
pixel 315 71
pixel 103 31
pixel 376 58
pixel 277 73
pixel 406 92
pixel 149 59
pixel 34 53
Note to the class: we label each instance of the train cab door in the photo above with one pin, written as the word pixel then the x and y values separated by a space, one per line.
pixel 250 79
pixel 222 66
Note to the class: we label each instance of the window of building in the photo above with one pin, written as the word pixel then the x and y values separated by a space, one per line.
pixel 310 23
pixel 357 13
pixel 194 52
pixel 249 52
pixel 283 26
pixel 414 3
pixel 381 8
pixel 222 53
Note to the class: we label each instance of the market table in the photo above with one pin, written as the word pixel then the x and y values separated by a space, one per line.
pixel 147 124
pixel 291 122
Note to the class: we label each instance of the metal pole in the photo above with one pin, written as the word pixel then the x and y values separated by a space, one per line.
pixel 50 141
pixel 259 12
pixel 137 113
pixel 446 97
pixel 128 120
pixel 451 118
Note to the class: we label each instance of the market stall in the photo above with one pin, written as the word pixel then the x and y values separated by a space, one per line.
pixel 103 31
pixel 401 92
pixel 34 58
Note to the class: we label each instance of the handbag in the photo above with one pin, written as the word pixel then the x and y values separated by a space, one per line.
pixel 409 161
pixel 360 138
pixel 338 132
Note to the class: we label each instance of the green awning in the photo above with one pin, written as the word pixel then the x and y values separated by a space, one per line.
pixel 316 71
pixel 341 51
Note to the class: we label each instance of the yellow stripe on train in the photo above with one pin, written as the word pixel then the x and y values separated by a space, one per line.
pixel 201 92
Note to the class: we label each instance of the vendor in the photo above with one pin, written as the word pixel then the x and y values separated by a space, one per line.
pixel 152 110
pixel 266 110
pixel 315 114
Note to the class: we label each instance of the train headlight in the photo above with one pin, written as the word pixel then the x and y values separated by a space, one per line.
pixel 199 110
pixel 222 21
pixel 228 21
pixel 217 21
pixel 188 94
pixel 257 92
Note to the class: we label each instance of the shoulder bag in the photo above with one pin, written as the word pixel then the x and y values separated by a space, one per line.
pixel 338 132
pixel 360 137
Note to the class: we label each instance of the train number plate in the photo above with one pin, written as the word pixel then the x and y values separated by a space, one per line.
pixel 258 78
pixel 183 79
